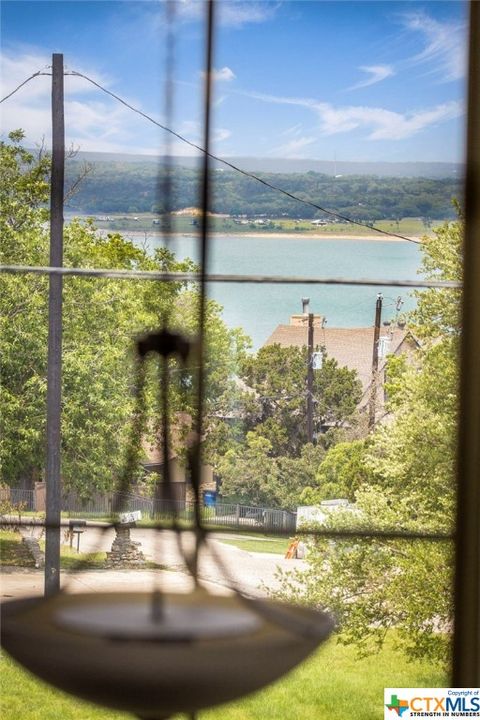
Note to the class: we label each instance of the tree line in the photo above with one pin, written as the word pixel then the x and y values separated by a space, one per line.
pixel 137 187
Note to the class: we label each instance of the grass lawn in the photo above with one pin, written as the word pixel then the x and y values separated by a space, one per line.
pixel 9 550
pixel 258 543
pixel 11 555
pixel 333 685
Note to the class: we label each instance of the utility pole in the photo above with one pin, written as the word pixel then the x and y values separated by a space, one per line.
pixel 305 302
pixel 310 380
pixel 398 307
pixel 54 370
pixel 376 337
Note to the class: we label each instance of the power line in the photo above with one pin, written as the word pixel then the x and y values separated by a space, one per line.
pixel 40 72
pixel 250 175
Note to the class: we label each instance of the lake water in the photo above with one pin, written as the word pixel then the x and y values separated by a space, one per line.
pixel 258 309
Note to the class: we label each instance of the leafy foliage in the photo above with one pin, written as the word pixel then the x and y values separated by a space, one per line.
pixel 101 317
pixel 278 408
pixel 274 463
pixel 251 475
pixel 401 478
pixel 135 187
pixel 342 472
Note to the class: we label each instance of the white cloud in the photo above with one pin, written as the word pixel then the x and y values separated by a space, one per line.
pixel 188 9
pixel 381 124
pixel 236 14
pixel 294 131
pixel 397 126
pixel 92 120
pixel 221 134
pixel 292 148
pixel 193 131
pixel 444 45
pixel 224 74
pixel 376 73
pixel 16 70
pixel 230 13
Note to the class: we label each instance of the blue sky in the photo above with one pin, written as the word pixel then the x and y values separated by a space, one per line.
pixel 346 80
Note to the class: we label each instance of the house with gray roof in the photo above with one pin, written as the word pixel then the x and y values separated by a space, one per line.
pixel 350 347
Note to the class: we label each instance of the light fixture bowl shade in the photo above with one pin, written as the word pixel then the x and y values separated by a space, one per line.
pixel 104 648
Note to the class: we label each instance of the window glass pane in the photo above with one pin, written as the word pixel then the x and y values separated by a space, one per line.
pixel 330 408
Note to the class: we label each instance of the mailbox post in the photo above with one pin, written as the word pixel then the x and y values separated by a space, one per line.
pixel 76 527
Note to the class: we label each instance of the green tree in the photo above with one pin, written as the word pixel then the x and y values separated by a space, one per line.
pixel 115 186
pixel 374 585
pixel 263 455
pixel 251 474
pixel 101 318
pixel 342 472
pixel 299 473
pixel 278 408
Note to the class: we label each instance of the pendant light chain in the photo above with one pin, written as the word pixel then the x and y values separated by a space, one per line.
pixel 165 488
pixel 196 451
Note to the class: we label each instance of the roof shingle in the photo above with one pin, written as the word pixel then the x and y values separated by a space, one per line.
pixel 350 347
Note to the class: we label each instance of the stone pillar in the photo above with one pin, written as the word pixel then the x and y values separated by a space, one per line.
pixel 125 552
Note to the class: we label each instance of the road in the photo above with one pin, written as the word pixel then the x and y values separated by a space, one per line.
pixel 221 567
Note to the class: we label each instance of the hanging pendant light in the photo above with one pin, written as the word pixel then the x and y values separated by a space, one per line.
pixel 152 654
pixel 190 652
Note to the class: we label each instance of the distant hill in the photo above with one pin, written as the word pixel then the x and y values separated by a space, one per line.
pixel 136 184
pixel 281 165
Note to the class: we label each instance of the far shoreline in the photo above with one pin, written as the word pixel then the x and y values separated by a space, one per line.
pixel 317 236
pixel 272 236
